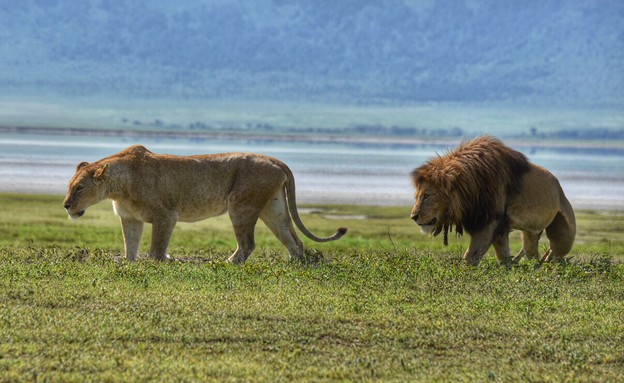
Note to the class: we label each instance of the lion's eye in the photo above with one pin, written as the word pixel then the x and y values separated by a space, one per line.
pixel 79 188
pixel 425 197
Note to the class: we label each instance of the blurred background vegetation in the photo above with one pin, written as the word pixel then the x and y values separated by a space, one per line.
pixel 550 52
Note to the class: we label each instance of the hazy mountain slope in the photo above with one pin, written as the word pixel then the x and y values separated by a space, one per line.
pixel 551 51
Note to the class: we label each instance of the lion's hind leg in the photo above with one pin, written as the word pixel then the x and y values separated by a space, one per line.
pixel 530 245
pixel 276 217
pixel 561 233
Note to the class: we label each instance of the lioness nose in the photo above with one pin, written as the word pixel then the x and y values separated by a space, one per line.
pixel 67 206
pixel 415 217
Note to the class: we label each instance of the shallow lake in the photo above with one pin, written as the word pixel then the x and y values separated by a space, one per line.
pixel 325 172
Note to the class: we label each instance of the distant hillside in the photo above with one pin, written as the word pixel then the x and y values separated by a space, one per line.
pixel 357 51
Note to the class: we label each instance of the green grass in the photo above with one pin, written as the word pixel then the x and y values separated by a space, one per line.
pixel 382 304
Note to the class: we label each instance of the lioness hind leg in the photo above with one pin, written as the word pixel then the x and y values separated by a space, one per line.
pixel 244 224
pixel 161 235
pixel 247 200
pixel 245 243
pixel 277 218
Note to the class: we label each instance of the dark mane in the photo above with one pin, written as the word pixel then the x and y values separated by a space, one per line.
pixel 471 177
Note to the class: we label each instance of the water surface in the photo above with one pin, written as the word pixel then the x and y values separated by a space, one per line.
pixel 325 172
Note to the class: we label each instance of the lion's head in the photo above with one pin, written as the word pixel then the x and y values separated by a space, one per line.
pixel 467 187
pixel 86 188
pixel 433 209
pixel 430 208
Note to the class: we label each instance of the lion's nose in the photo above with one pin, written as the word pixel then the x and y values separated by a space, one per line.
pixel 67 206
pixel 415 217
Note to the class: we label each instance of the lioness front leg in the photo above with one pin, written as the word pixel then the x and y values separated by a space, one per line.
pixel 161 235
pixel 132 230
pixel 480 242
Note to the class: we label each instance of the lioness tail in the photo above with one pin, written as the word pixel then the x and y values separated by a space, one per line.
pixel 292 207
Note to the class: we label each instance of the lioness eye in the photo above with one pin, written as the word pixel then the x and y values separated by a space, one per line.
pixel 425 196
pixel 79 188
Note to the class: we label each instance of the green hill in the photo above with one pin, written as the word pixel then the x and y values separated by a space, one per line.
pixel 543 52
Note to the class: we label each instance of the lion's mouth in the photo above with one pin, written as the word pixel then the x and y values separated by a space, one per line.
pixel 430 223
pixel 429 227
pixel 76 215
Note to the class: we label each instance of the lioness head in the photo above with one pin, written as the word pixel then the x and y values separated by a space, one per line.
pixel 86 188
pixel 429 208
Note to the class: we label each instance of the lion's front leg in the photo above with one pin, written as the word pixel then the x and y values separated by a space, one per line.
pixel 480 242
pixel 501 247
pixel 162 229
pixel 132 230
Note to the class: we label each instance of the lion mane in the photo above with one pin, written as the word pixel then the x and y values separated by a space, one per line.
pixel 483 185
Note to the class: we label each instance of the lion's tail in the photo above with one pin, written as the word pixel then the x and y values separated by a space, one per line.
pixel 292 207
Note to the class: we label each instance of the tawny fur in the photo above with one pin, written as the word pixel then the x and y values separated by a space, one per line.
pixel 489 189
pixel 163 189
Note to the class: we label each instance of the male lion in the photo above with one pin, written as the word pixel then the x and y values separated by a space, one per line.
pixel 489 189
pixel 164 189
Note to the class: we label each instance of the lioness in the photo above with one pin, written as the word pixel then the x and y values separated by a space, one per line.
pixel 489 189
pixel 163 189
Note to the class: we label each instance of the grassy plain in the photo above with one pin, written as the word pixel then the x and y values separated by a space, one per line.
pixel 382 304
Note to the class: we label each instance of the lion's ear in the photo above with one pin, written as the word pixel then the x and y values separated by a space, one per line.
pixel 101 173
pixel 81 165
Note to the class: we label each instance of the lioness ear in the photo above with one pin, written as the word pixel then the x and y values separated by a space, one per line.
pixel 81 165
pixel 101 173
